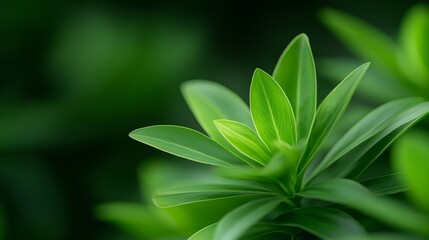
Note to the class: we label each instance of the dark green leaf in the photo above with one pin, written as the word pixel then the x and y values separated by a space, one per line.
pixel 233 225
pixel 296 74
pixel 386 184
pixel 354 195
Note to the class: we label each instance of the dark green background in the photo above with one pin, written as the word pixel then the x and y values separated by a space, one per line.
pixel 76 77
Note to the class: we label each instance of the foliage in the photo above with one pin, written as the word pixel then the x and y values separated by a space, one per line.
pixel 272 156
pixel 403 70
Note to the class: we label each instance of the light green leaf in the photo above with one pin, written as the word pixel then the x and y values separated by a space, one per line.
pixel 234 224
pixel 386 184
pixel 410 155
pixel 363 39
pixel 210 101
pixel 354 195
pixel 244 140
pixel 186 143
pixel 325 223
pixel 296 74
pixel 271 111
pixel 329 112
pixel 206 233
pixel 414 38
pixel 205 192
pixel 373 123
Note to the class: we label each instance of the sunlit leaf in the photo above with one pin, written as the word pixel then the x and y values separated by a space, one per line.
pixel 296 74
pixel 233 225
pixel 354 195
pixel 329 112
pixel 186 143
pixel 206 233
pixel 410 155
pixel 271 111
pixel 244 140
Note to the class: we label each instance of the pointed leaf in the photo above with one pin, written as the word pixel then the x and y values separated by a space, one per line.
pixel 210 101
pixel 354 195
pixel 186 143
pixel 233 225
pixel 373 123
pixel 206 233
pixel 410 156
pixel 363 39
pixel 205 192
pixel 244 140
pixel 271 111
pixel 296 74
pixel 386 184
pixel 328 113
pixel 325 223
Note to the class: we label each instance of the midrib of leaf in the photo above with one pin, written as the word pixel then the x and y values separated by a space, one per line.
pixel 271 112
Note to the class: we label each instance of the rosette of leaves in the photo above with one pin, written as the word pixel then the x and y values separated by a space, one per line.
pixel 402 69
pixel 271 154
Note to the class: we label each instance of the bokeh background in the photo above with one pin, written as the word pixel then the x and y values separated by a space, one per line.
pixel 77 76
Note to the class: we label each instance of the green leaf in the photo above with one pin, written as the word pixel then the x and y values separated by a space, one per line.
pixel 271 111
pixel 363 39
pixel 205 192
pixel 210 101
pixel 296 74
pixel 244 140
pixel 186 143
pixel 387 236
pixel 373 123
pixel 325 223
pixel 354 195
pixel 414 36
pixel 206 233
pixel 410 155
pixel 233 225
pixel 329 112
pixel 386 184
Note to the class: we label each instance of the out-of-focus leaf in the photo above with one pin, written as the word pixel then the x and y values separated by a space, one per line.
pixel 2 223
pixel 354 195
pixel 206 233
pixel 366 41
pixel 210 101
pixel 205 192
pixel 233 225
pixel 136 219
pixel 186 143
pixel 373 123
pixel 386 184
pixel 329 112
pixel 244 140
pixel 296 74
pixel 336 68
pixel 271 111
pixel 325 223
pixel 387 236
pixel 411 157
pixel 414 38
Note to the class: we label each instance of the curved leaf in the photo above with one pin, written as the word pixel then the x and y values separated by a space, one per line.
pixel 244 140
pixel 234 224
pixel 210 101
pixel 186 143
pixel 206 233
pixel 296 74
pixel 329 112
pixel 366 41
pixel 271 111
pixel 205 192
pixel 386 184
pixel 354 195
pixel 410 155
pixel 325 223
